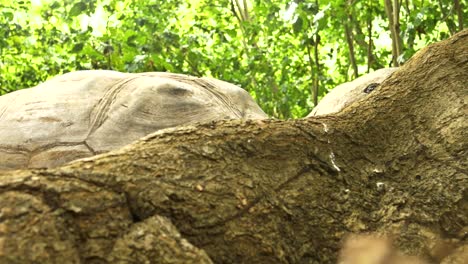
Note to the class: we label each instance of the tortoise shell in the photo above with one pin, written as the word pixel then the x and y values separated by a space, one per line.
pixel 84 113
pixel 347 93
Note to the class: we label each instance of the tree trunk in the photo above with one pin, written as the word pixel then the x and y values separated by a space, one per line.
pixel 350 40
pixel 264 191
pixel 317 67
pixel 352 58
pixel 368 46
pixel 392 8
pixel 316 60
pixel 315 71
pixel 459 11
pixel 370 57
pixel 446 16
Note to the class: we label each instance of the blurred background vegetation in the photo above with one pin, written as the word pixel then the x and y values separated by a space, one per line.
pixel 286 53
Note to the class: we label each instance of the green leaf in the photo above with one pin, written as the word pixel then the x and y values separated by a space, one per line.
pixel 8 15
pixel 77 9
pixel 78 47
pixel 55 5
pixel 131 40
pixel 297 26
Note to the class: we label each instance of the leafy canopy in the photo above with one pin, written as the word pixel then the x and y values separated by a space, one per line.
pixel 277 50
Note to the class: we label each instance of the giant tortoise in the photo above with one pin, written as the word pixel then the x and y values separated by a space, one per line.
pixel 350 92
pixel 84 113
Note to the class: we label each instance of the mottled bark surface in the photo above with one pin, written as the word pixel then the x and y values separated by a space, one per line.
pixel 264 191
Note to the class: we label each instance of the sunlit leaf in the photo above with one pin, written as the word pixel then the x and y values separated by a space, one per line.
pixel 319 16
pixel 55 5
pixel 8 15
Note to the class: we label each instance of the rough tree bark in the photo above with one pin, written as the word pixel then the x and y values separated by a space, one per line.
pixel 264 191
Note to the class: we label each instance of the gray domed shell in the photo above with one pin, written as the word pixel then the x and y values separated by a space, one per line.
pixel 84 113
pixel 347 93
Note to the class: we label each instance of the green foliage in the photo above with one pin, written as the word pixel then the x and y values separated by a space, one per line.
pixel 267 47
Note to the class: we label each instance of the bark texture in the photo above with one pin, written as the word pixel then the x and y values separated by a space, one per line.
pixel 265 191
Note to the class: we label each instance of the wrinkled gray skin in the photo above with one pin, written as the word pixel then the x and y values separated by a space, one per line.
pixel 84 113
pixel 350 92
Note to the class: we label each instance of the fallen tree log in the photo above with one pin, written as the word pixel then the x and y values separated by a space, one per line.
pixel 265 191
